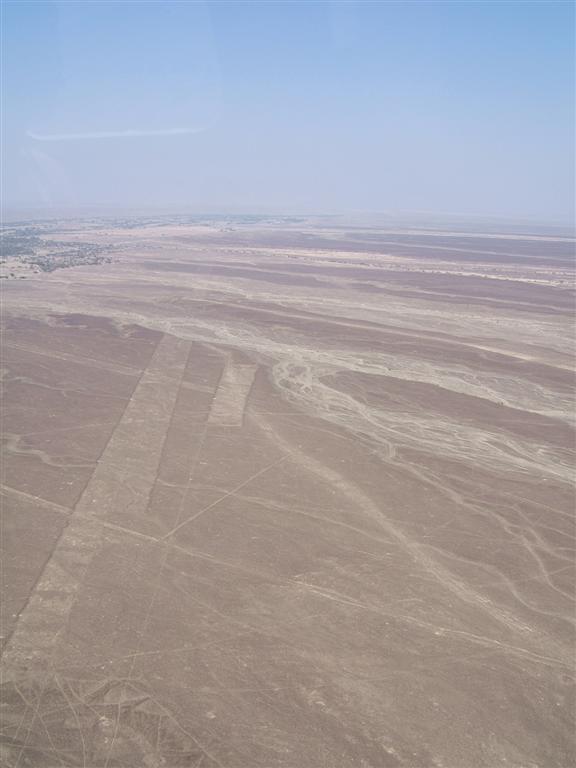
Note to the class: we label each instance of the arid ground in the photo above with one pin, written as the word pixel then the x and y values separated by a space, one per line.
pixel 288 494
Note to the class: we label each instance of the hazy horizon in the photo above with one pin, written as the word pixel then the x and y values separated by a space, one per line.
pixel 440 108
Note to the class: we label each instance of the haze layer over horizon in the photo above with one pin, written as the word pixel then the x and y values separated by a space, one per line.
pixel 349 106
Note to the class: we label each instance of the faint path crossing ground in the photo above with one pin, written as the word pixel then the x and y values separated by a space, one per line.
pixel 123 478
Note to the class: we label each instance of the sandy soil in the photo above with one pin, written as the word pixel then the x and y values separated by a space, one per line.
pixel 290 497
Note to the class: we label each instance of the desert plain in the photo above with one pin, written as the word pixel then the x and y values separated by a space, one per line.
pixel 288 492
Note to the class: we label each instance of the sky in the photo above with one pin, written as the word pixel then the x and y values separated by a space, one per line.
pixel 317 107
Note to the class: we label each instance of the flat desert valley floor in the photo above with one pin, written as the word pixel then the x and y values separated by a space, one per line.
pixel 289 494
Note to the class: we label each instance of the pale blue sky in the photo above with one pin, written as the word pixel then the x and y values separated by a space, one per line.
pixel 458 107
